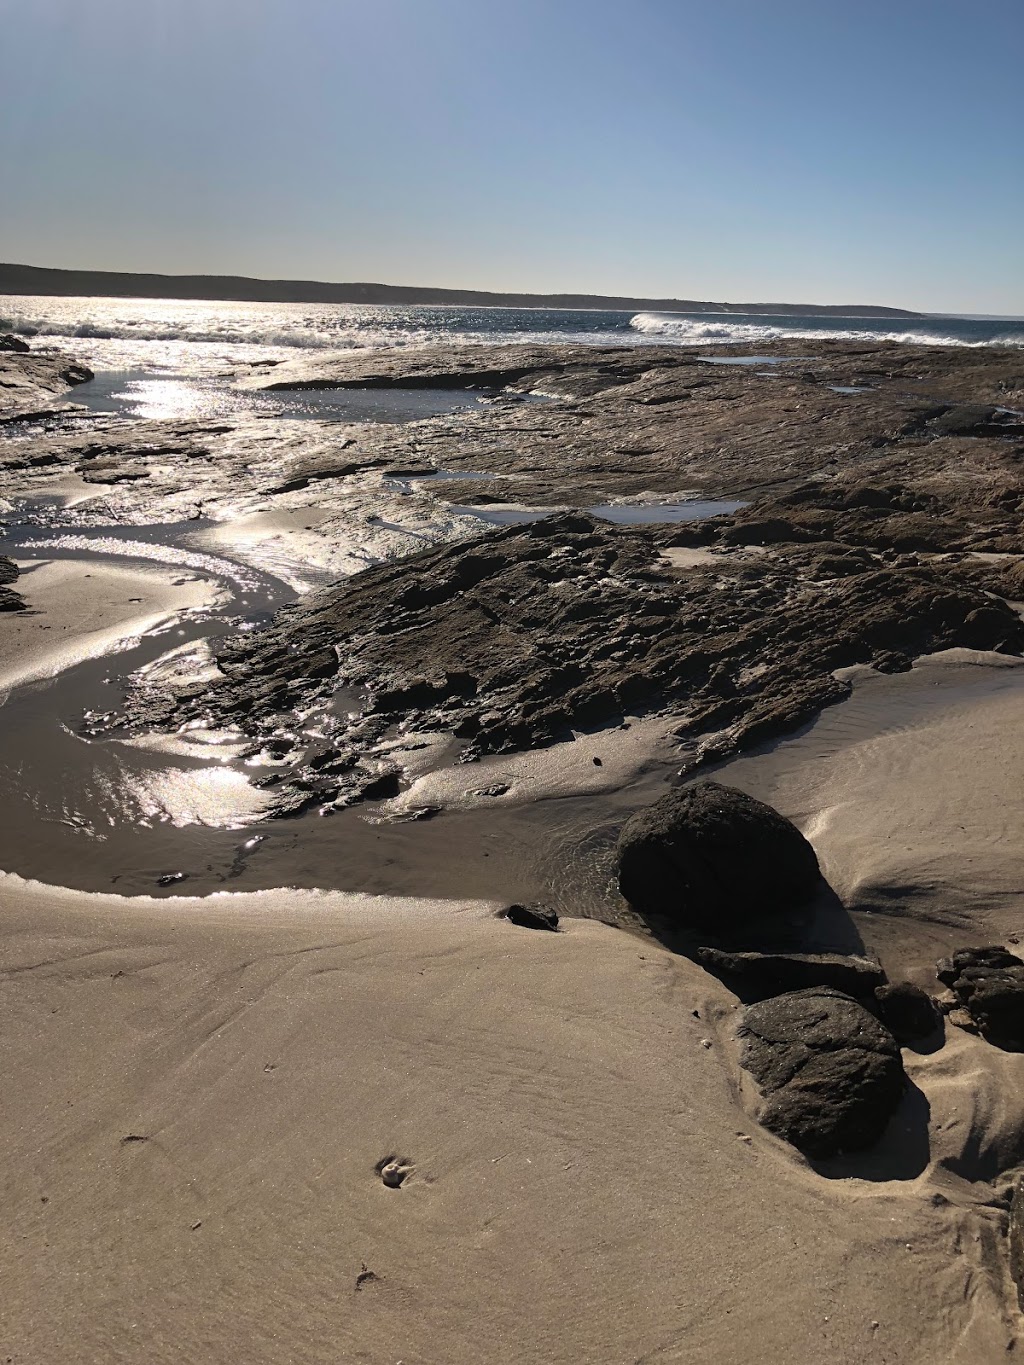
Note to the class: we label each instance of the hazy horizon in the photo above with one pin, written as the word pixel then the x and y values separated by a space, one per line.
pixel 740 153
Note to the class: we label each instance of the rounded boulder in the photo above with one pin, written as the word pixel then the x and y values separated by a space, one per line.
pixel 706 855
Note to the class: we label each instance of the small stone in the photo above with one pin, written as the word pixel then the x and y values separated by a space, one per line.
pixel 532 916
pixel 394 1171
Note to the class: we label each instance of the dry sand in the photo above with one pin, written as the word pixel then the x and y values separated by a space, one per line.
pixel 197 1093
pixel 80 609
pixel 912 793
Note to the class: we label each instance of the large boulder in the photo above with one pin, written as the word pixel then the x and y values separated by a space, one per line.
pixel 989 983
pixel 757 976
pixel 831 1075
pixel 10 342
pixel 706 855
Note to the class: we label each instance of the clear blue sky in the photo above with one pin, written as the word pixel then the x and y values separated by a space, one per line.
pixel 803 150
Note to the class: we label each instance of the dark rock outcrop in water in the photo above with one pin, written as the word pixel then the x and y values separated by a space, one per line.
pixel 512 640
pixel 830 1074
pixel 989 984
pixel 709 855
pixel 758 976
pixel 10 342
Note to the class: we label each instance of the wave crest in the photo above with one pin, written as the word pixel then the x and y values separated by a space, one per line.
pixel 722 329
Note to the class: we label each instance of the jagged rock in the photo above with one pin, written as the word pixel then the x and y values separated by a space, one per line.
pixel 513 640
pixel 908 1012
pixel 10 342
pixel 989 984
pixel 9 600
pixel 757 976
pixel 710 855
pixel 533 916
pixel 830 1074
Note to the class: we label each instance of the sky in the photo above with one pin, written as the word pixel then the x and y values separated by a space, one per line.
pixel 826 151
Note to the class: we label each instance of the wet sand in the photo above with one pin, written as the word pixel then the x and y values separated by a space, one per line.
pixel 81 610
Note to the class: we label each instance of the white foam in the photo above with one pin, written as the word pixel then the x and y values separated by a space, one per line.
pixel 721 328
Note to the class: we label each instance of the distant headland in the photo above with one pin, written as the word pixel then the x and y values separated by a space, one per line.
pixel 33 279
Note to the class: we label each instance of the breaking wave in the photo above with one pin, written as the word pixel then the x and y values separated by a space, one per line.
pixel 723 329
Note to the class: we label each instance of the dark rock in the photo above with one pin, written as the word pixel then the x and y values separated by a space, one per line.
pixel 758 976
pixel 989 984
pixel 513 640
pixel 830 1074
pixel 171 878
pixel 532 916
pixel 382 788
pixel 908 1012
pixel 10 342
pixel 9 573
pixel 710 855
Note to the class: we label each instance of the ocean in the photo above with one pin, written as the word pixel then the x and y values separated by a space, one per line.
pixel 201 338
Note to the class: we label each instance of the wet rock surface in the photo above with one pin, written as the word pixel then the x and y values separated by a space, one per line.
pixel 830 1074
pixel 989 984
pixel 759 976
pixel 709 855
pixel 881 525
pixel 515 640
pixel 33 384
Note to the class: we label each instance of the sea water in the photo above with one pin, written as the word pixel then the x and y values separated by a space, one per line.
pixel 204 338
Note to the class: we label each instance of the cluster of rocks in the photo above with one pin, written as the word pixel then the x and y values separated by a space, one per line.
pixel 9 600
pixel 821 1033
pixel 988 987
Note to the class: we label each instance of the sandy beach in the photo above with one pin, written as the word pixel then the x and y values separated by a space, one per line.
pixel 199 1092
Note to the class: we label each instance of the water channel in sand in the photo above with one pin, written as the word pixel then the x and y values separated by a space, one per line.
pixel 166 815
